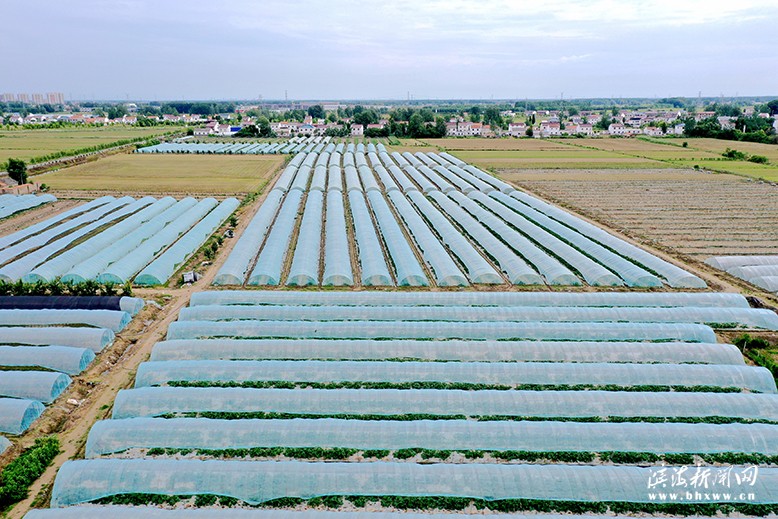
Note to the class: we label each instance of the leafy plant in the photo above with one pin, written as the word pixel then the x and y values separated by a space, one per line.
pixel 16 478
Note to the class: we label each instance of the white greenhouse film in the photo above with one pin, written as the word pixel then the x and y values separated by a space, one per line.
pixel 163 267
pixel 237 264
pixel 256 482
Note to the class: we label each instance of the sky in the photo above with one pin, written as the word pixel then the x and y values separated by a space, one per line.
pixel 361 49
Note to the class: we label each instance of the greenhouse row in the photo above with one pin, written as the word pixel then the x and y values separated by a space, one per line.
pixel 761 271
pixel 12 204
pixel 424 219
pixel 115 436
pixel 44 341
pixel 428 394
pixel 256 482
pixel 294 145
pixel 158 401
pixel 113 240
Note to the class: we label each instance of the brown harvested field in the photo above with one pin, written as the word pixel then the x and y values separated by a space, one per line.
pixel 690 212
pixel 167 174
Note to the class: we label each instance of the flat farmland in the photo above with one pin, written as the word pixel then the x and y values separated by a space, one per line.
pixel 167 174
pixel 568 157
pixel 717 147
pixel 26 144
pixel 456 144
pixel 739 167
pixel 643 148
pixel 705 153
pixel 689 212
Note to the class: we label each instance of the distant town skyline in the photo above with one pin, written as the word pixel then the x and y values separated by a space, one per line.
pixel 345 49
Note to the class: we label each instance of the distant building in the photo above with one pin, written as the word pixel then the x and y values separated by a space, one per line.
pixel 583 129
pixel 357 130
pixel 464 129
pixel 517 129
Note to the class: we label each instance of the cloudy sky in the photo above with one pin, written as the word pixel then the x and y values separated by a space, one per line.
pixel 361 49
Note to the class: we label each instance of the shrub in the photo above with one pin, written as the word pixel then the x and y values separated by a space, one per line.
pixel 729 153
pixel 758 159
pixel 16 478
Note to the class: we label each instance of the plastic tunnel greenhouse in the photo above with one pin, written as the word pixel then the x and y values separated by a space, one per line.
pixel 156 401
pixel 236 266
pixel 453 330
pixel 43 386
pixel 65 359
pixel 267 270
pixel 371 258
pixel 256 482
pixel 408 270
pixel 112 436
pixel 163 267
pixel 337 260
pixel 112 319
pixel 305 262
pixel 750 318
pixel 125 269
pixel 131 305
pixel 554 299
pixel 93 338
pixel 37 228
pixel 450 350
pixel 504 374
pixel 446 271
pixel 17 415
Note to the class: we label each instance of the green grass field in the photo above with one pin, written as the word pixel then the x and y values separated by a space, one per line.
pixel 169 174
pixel 26 144
pixel 739 167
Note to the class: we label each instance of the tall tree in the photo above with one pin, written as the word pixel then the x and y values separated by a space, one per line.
pixel 316 111
pixel 17 170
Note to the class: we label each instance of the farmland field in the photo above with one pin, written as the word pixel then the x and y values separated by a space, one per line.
pixel 567 158
pixel 26 144
pixel 694 213
pixel 174 174
pixel 472 144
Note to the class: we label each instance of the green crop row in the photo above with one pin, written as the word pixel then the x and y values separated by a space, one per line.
pixel 460 503
pixel 17 476
pixel 245 415
pixel 465 386
pixel 343 453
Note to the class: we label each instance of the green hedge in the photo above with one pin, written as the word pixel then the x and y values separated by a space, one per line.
pixel 16 478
